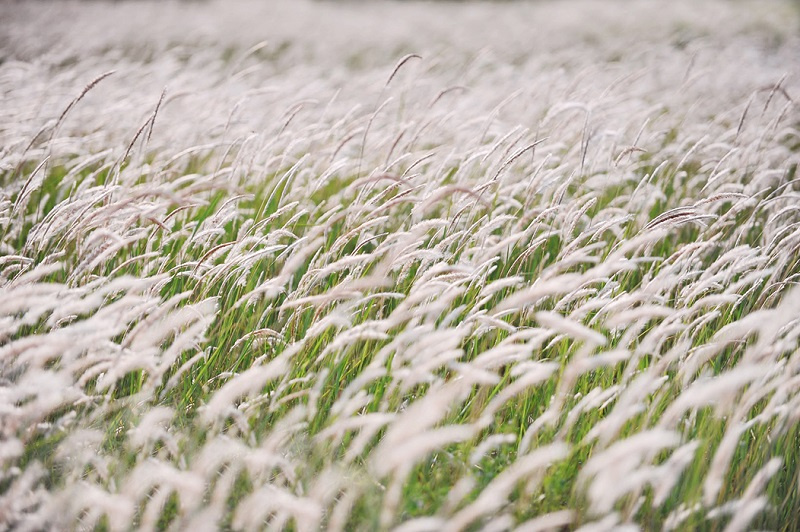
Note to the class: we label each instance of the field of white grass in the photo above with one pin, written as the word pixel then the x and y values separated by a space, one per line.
pixel 422 267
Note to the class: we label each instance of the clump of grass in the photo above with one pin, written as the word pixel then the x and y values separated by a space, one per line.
pixel 473 290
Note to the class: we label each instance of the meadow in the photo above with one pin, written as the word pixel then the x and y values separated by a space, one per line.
pixel 400 266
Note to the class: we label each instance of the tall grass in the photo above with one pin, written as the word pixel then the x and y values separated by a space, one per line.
pixel 431 276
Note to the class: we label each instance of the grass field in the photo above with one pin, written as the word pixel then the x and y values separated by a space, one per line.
pixel 356 266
